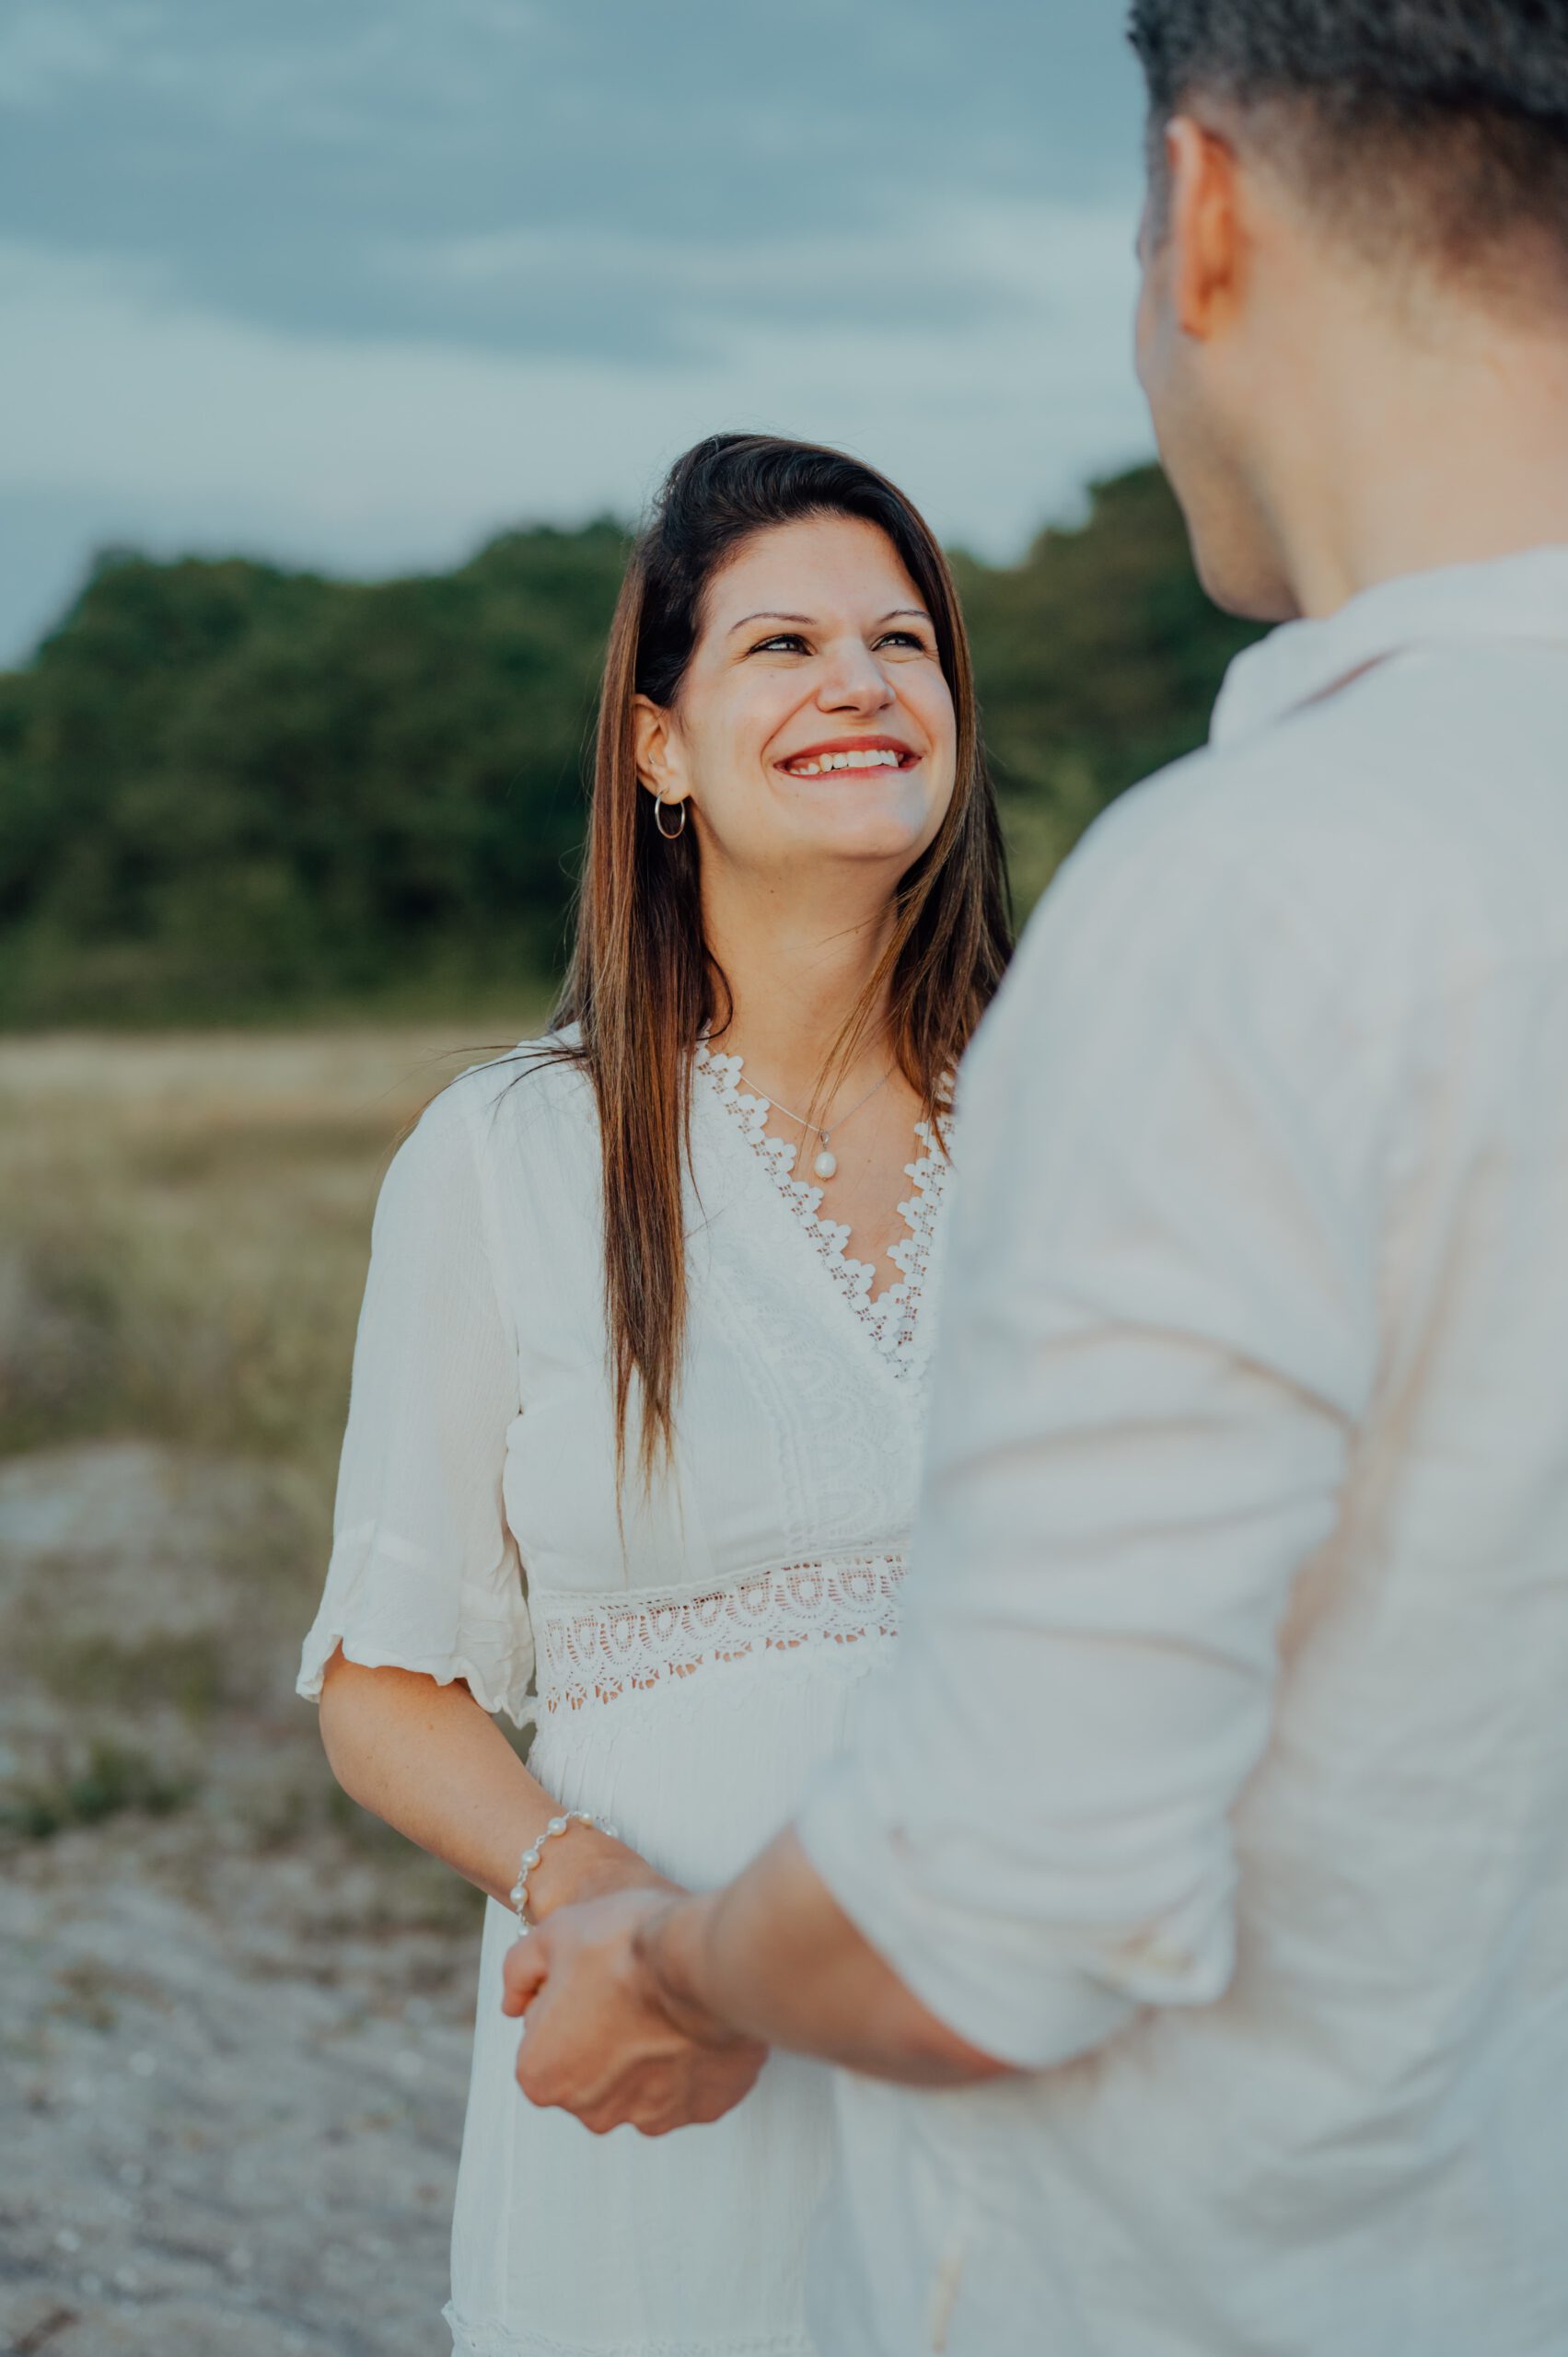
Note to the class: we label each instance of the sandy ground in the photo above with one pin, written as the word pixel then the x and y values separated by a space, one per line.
pixel 211 2144
pixel 235 2025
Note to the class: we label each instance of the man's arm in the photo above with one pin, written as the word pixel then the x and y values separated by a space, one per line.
pixel 775 1956
pixel 1160 1338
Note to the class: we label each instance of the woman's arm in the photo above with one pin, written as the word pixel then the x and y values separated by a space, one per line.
pixel 426 1759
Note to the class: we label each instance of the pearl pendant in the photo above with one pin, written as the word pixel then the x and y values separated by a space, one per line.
pixel 825 1164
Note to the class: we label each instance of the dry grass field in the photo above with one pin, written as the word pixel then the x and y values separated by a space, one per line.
pixel 234 2013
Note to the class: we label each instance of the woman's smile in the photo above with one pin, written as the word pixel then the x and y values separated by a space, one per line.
pixel 849 757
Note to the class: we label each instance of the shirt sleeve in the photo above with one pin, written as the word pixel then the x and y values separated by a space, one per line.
pixel 424 1573
pixel 1158 1338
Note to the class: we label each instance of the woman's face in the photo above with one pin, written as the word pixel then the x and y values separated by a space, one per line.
pixel 814 722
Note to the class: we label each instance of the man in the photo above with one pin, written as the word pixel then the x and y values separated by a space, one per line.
pixel 1205 1853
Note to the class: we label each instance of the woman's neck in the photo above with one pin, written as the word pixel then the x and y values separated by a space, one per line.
pixel 797 966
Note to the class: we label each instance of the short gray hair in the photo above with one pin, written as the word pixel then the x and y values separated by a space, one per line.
pixel 1444 120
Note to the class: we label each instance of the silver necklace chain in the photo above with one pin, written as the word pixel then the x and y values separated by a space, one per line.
pixel 826 1162
pixel 817 1131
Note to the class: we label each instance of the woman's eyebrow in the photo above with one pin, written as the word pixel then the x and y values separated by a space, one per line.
pixel 769 615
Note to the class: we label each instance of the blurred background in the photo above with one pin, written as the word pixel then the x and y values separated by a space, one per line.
pixel 342 345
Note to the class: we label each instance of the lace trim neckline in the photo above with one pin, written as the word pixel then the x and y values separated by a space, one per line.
pixel 892 1318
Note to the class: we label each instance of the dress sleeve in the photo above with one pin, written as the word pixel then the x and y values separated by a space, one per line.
pixel 424 1573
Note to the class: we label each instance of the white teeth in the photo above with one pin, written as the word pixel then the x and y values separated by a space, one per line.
pixel 879 758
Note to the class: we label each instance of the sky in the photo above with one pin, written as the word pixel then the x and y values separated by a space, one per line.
pixel 355 284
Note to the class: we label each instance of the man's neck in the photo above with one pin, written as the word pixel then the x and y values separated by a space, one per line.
pixel 1448 450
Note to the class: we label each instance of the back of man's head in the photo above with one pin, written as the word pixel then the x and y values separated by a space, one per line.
pixel 1427 129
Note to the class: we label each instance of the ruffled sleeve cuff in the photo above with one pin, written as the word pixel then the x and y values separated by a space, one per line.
pixel 389 1608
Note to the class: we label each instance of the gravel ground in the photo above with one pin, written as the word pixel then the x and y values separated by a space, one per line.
pixel 210 2145
pixel 234 2025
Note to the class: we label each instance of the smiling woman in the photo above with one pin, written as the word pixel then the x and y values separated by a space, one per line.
pixel 785 601
pixel 794 898
pixel 755 689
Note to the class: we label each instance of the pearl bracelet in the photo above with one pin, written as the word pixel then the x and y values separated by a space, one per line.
pixel 530 1859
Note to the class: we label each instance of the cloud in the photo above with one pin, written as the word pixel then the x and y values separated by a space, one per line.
pixel 366 457
pixel 356 286
pixel 582 291
pixel 310 169
pixel 47 52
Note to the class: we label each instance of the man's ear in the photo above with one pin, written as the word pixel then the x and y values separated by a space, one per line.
pixel 1203 226
pixel 658 750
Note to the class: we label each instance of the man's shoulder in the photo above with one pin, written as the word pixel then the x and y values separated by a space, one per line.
pixel 1207 838
pixel 1369 825
pixel 1308 795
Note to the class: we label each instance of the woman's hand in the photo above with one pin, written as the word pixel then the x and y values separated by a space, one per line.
pixel 601 2040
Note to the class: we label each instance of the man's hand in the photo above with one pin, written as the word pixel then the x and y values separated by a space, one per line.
pixel 602 2042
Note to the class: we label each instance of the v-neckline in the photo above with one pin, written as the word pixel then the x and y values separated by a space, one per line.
pixel 894 1319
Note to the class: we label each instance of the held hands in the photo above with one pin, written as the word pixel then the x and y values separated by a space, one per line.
pixel 603 2040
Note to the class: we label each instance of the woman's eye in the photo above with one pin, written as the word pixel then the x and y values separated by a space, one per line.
pixel 791 642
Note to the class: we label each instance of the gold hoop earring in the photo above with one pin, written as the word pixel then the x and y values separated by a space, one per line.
pixel 670 834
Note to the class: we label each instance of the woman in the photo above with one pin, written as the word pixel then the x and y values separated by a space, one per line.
pixel 636 1331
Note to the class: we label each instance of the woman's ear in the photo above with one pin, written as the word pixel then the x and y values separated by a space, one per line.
pixel 656 745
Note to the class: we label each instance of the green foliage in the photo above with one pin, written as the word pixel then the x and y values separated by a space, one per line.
pixel 227 790
pixel 1099 661
pixel 114 1777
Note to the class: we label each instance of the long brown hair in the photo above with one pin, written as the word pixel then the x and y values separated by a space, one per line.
pixel 642 987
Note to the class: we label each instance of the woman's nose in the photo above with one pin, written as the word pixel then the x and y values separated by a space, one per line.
pixel 854 681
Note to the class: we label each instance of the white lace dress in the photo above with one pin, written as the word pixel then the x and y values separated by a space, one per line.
pixel 688 1681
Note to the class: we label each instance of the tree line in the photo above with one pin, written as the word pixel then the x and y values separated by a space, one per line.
pixel 230 791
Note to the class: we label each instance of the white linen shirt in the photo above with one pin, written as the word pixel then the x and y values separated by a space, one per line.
pixel 1220 1780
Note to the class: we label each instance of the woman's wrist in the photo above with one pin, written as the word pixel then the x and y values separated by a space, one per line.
pixel 586 1862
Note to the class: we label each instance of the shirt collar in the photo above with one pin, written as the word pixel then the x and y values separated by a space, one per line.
pixel 1523 597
